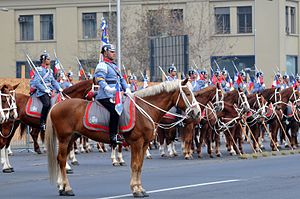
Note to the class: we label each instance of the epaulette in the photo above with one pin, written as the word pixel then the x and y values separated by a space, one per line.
pixel 101 67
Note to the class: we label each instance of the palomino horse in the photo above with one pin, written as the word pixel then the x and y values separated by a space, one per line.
pixel 151 104
pixel 8 115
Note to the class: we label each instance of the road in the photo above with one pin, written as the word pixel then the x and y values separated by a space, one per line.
pixel 227 177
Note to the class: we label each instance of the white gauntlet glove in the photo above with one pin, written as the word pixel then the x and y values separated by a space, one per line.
pixel 60 90
pixel 47 91
pixel 127 91
pixel 109 89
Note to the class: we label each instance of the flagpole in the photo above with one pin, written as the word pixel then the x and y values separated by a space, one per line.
pixel 62 67
pixel 82 68
pixel 119 32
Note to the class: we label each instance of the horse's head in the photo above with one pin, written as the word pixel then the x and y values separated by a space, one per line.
pixel 187 101
pixel 294 96
pixel 243 101
pixel 8 107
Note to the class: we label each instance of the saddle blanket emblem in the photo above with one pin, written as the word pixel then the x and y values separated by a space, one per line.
pixel 34 105
pixel 96 117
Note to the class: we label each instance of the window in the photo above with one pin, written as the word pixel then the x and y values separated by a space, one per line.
pixel 26 27
pixel 293 20
pixel 177 15
pixel 222 20
pixel 46 27
pixel 291 64
pixel 111 20
pixel 244 15
pixel 89 25
pixel 287 20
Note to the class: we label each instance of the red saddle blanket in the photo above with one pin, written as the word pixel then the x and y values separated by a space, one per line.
pixel 96 117
pixel 34 105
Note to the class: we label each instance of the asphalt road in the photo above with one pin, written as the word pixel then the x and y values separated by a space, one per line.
pixel 227 177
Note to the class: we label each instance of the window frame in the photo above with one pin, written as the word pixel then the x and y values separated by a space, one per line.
pixel 89 25
pixel 48 36
pixel 224 18
pixel 26 23
pixel 244 18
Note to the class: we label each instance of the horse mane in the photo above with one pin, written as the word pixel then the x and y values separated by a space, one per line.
pixel 268 92
pixel 231 96
pixel 167 86
pixel 78 85
pixel 205 91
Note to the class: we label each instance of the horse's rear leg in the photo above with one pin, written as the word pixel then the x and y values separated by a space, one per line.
pixel 113 156
pixel 35 134
pixel 63 182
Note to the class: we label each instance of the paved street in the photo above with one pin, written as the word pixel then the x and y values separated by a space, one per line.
pixel 226 177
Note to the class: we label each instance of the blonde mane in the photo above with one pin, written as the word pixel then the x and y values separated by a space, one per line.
pixel 164 86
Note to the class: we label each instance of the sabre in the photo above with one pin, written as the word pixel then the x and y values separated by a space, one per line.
pixel 235 66
pixel 217 65
pixel 31 64
pixel 126 79
pixel 82 67
pixel 163 72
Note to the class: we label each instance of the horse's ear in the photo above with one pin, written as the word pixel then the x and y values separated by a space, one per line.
pixel 15 86
pixel 184 81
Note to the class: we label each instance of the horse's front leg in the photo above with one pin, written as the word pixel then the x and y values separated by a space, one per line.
pixel 35 134
pixel 120 156
pixel 7 168
pixel 113 155
pixel 138 150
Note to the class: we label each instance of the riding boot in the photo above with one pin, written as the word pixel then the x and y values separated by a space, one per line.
pixel 116 138
pixel 42 125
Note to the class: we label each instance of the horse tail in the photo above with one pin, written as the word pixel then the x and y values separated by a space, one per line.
pixel 22 130
pixel 52 149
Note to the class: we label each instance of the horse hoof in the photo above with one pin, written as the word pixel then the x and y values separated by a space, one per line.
pixel 70 171
pixel 38 151
pixel 211 156
pixel 115 164
pixel 200 156
pixel 76 151
pixel 175 154
pixel 66 193
pixel 149 157
pixel 122 163
pixel 219 155
pixel 145 194
pixel 8 170
pixel 278 147
pixel 138 195
pixel 12 169
pixel 75 163
pixel 287 146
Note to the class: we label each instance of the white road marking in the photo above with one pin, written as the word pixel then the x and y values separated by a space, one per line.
pixel 176 188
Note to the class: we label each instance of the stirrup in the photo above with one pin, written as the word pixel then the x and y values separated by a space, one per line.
pixel 42 126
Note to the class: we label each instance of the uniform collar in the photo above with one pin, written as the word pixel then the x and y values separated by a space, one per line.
pixel 107 60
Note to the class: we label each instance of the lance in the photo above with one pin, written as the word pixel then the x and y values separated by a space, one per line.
pixel 163 72
pixel 31 64
pixel 217 65
pixel 81 67
pixel 235 66
pixel 126 79
pixel 62 67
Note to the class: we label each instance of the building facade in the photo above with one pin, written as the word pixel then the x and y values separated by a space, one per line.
pixel 264 33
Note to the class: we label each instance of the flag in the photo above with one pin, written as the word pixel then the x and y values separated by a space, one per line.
pixel 251 84
pixel 80 72
pixel 104 37
pixel 239 79
pixel 118 100
pixel 57 66
pixel 31 73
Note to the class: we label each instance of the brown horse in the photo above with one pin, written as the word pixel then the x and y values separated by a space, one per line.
pixel 78 90
pixel 62 123
pixel 8 122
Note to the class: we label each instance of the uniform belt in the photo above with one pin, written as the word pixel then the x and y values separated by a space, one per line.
pixel 111 81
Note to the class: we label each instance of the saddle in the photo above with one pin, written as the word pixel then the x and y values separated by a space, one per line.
pixel 96 117
pixel 34 105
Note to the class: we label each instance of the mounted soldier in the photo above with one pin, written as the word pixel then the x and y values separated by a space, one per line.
pixel 69 81
pixel 225 81
pixel 172 73
pixel 259 84
pixel 107 75
pixel 133 83
pixel 45 86
pixel 286 81
pixel 297 82
pixel 277 80
pixel 241 82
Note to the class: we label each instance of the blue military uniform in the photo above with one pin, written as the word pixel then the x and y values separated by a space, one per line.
pixel 242 85
pixel 108 75
pixel 171 69
pixel 47 75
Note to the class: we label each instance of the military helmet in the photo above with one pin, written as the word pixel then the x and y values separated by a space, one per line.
pixel 172 68
pixel 243 73
pixel 259 74
pixel 203 72
pixel 107 47
pixel 224 71
pixel 44 56
pixel 70 74
pixel 132 77
pixel 285 76
pixel 217 73
pixel 191 72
